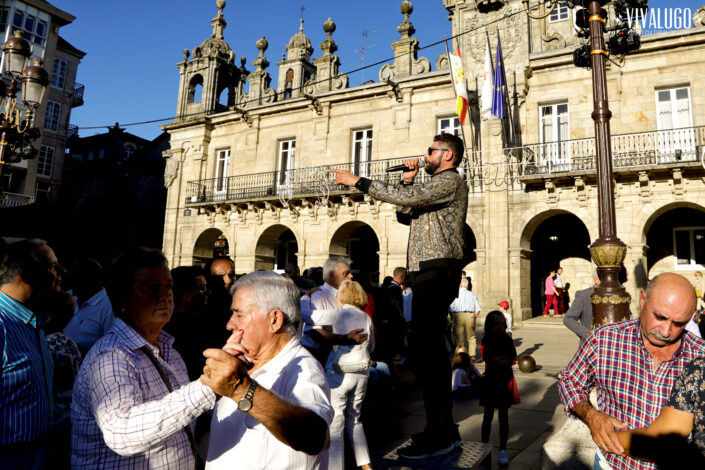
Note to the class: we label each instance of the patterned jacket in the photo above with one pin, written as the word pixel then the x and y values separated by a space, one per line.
pixel 436 212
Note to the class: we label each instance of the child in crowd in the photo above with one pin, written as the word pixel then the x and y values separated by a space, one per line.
pixel 499 390
pixel 504 308
pixel 465 377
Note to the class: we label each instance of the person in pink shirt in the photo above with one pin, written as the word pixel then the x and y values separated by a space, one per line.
pixel 551 294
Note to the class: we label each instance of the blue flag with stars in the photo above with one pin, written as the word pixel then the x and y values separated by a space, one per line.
pixel 498 88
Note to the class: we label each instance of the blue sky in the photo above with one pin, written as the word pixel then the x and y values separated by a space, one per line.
pixel 132 47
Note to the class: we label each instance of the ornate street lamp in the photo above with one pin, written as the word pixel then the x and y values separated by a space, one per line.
pixel 16 130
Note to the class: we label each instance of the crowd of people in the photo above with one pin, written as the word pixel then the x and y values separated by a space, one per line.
pixel 143 366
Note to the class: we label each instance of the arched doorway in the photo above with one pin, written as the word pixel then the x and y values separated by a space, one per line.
pixel 210 244
pixel 358 242
pixel 558 239
pixel 676 240
pixel 276 247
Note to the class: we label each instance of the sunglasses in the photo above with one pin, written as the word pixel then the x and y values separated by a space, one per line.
pixel 431 149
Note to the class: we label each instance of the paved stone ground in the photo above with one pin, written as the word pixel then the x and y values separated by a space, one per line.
pixel 530 423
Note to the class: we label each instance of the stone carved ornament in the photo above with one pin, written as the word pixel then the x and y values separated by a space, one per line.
pixel 699 17
pixel 510 32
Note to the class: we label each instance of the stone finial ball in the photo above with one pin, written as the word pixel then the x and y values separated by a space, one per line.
pixel 526 364
pixel 262 44
pixel 406 7
pixel 220 4
pixel 329 26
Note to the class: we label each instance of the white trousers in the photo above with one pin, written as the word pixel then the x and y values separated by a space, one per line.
pixel 346 395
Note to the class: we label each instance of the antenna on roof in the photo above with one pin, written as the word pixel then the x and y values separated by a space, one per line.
pixel 361 51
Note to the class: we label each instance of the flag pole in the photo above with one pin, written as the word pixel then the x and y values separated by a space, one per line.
pixel 506 97
pixel 452 82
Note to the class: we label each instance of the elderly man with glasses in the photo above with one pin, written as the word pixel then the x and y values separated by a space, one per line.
pixel 436 211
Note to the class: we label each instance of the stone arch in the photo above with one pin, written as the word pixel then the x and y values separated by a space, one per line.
pixel 359 242
pixel 203 249
pixel 675 236
pixel 195 89
pixel 555 238
pixel 276 246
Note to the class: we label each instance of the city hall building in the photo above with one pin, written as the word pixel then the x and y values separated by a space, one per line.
pixel 247 170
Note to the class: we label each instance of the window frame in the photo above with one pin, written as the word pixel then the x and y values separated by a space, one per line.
pixel 673 101
pixel 54 105
pixel 456 126
pixel 61 76
pixel 290 154
pixel 220 181
pixel 693 265
pixel 560 10
pixel 361 163
pixel 46 160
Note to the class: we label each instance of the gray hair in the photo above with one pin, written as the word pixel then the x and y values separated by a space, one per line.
pixel 464 282
pixel 270 291
pixel 332 264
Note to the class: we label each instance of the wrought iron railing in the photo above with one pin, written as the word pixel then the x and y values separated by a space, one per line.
pixel 484 171
pixel 15 200
pixel 78 89
pixel 628 150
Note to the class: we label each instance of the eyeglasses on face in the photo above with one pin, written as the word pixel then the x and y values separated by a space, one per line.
pixel 431 149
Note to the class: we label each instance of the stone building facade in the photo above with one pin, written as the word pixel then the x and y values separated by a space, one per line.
pixel 38 179
pixel 248 162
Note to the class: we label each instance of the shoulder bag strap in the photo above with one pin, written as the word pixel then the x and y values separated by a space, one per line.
pixel 145 349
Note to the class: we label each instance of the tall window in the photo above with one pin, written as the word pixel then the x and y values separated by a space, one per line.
pixel 4 13
pixel 45 162
pixel 222 162
pixel 673 108
pixel 51 119
pixel 58 75
pixel 287 155
pixel 43 191
pixel 554 130
pixel 676 138
pixel 689 247
pixel 362 151
pixel 559 13
pixel 450 125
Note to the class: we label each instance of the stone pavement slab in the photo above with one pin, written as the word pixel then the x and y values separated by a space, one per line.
pixel 531 423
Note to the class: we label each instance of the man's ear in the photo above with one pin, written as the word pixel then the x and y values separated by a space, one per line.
pixel 276 321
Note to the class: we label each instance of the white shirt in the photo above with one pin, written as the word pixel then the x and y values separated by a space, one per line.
pixel 122 413
pixel 345 319
pixel 91 321
pixel 508 318
pixel 466 302
pixel 237 440
pixel 406 304
pixel 558 281
pixel 311 307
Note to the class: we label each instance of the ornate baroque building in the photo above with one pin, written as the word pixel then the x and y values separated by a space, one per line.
pixel 248 162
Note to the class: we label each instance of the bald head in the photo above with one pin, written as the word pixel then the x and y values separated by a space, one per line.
pixel 666 305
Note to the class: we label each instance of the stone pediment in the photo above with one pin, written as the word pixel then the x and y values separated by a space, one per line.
pixel 214 47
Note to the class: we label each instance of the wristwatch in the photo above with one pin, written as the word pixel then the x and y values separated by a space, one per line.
pixel 245 402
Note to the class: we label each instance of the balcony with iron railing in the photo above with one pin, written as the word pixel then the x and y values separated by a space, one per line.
pixel 509 167
pixel 77 99
pixel 15 200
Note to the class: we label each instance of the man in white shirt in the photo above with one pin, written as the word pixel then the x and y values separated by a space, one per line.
pixel 559 288
pixel 335 271
pixel 465 310
pixel 94 315
pixel 275 407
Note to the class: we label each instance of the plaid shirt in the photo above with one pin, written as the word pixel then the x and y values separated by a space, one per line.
pixel 122 413
pixel 629 387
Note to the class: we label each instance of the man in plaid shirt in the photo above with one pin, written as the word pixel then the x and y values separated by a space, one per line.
pixel 633 365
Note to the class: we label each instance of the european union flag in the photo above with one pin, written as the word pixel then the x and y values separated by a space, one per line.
pixel 498 88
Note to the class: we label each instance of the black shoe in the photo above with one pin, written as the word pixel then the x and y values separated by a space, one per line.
pixel 423 447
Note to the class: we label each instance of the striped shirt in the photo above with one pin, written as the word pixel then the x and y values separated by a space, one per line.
pixel 122 413
pixel 629 386
pixel 26 379
pixel 467 301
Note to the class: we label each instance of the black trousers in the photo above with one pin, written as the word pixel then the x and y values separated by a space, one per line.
pixel 434 290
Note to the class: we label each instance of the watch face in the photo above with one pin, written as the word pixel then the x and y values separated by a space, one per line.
pixel 244 405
